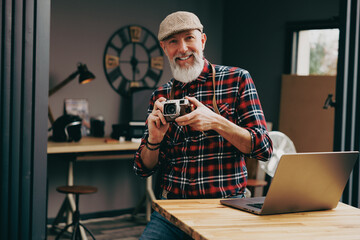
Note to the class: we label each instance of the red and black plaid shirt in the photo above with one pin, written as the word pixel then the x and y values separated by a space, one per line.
pixel 194 165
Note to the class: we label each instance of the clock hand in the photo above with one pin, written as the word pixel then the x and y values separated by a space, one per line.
pixel 134 62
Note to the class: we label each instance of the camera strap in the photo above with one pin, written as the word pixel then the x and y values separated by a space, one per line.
pixel 172 92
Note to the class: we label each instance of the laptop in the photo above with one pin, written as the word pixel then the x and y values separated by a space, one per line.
pixel 302 182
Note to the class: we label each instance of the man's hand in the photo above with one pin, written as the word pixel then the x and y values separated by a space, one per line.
pixel 157 124
pixel 201 119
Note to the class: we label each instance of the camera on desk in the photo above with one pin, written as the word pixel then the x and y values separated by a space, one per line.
pixel 176 108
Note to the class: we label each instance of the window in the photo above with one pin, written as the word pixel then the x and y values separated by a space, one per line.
pixel 315 52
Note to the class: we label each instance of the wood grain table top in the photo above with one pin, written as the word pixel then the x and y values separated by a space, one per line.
pixel 208 219
pixel 90 144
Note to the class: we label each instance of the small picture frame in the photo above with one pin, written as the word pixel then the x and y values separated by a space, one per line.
pixel 79 107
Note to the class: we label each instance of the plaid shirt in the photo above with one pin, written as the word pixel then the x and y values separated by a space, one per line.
pixel 194 165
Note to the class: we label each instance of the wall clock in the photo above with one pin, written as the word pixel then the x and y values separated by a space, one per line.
pixel 133 60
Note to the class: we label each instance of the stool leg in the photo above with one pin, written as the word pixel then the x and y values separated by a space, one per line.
pixel 87 230
pixel 83 233
pixel 74 233
pixel 77 232
pixel 76 219
pixel 63 231
pixel 70 197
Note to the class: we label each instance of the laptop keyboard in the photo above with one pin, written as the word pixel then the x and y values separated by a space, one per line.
pixel 256 205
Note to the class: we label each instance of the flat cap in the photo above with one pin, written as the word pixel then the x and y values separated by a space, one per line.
pixel 178 22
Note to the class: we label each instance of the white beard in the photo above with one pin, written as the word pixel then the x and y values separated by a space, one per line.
pixel 188 73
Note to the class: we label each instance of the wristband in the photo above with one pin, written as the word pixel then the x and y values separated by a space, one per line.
pixel 152 144
pixel 152 149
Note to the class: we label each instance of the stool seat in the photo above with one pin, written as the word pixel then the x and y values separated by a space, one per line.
pixel 78 189
pixel 256 183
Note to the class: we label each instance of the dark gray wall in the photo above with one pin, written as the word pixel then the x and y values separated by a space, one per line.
pixel 254 39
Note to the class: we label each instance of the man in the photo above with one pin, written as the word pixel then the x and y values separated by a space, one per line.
pixel 200 154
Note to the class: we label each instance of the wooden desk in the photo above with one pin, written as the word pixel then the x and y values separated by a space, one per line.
pixel 90 145
pixel 91 148
pixel 208 219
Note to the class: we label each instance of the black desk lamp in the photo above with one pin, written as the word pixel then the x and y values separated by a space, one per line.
pixel 84 77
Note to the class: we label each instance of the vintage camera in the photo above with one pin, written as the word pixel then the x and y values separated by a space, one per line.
pixel 176 108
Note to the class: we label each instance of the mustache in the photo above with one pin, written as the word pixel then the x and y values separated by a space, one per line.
pixel 182 55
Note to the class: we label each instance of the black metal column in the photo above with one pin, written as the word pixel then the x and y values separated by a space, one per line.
pixel 24 71
pixel 347 113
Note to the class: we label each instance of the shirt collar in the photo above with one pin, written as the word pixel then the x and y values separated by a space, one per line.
pixel 204 75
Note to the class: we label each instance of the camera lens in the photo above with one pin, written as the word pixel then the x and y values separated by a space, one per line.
pixel 170 108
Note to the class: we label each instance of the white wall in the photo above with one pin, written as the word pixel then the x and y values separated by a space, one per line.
pixel 79 32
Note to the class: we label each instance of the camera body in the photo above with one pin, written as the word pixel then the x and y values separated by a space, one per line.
pixel 175 108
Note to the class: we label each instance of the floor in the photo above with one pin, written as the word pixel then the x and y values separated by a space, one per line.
pixel 124 227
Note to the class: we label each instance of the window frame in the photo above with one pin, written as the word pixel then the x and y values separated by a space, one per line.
pixel 292 38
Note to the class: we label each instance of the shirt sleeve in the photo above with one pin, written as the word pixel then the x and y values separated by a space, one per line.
pixel 138 166
pixel 251 117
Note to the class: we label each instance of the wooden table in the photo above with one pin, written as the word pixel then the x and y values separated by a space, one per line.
pixel 91 145
pixel 208 219
pixel 92 148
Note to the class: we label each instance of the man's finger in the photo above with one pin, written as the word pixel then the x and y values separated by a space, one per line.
pixel 159 104
pixel 162 118
pixel 194 101
pixel 185 118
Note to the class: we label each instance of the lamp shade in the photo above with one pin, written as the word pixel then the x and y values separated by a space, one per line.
pixel 84 75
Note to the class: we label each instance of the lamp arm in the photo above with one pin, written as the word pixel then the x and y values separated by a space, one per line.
pixel 50 116
pixel 63 83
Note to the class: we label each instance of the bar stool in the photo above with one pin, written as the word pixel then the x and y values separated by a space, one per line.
pixel 77 190
pixel 254 183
